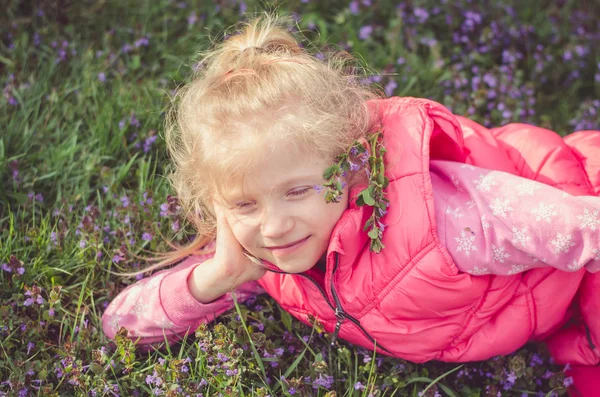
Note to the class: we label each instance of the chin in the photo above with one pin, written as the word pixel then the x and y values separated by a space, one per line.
pixel 295 267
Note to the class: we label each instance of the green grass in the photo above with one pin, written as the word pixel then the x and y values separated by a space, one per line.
pixel 78 141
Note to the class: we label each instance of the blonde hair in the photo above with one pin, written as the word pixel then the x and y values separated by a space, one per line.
pixel 216 124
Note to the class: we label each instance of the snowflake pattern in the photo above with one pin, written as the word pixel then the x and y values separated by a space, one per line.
pixel 164 323
pixel 454 212
pixel 520 218
pixel 465 243
pixel 114 321
pixel 477 271
pixel 485 225
pixel 575 265
pixel 139 308
pixel 517 269
pixel 544 212
pixel 562 243
pixel 470 204
pixel 498 254
pixel 527 188
pixel 501 207
pixel 520 236
pixel 589 219
pixel 456 183
pixel 485 182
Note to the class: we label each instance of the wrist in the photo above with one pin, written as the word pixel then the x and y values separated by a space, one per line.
pixel 205 284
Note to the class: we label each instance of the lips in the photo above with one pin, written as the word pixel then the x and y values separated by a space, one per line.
pixel 287 245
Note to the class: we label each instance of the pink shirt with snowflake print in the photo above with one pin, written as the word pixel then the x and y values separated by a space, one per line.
pixel 491 222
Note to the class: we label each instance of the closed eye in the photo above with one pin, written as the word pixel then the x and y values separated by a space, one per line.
pixel 299 192
pixel 244 204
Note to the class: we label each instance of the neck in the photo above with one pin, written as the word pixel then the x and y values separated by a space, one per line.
pixel 322 263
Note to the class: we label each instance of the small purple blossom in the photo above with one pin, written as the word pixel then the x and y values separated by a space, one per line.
pixel 390 87
pixel 421 14
pixel 147 236
pixel 568 381
pixel 141 42
pixel 365 32
pixel 102 77
pixel 354 7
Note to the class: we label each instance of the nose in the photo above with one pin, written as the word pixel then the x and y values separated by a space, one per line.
pixel 276 223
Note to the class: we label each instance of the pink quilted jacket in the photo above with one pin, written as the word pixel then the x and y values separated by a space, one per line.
pixel 424 297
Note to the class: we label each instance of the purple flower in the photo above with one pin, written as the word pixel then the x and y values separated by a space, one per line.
pixel 365 32
pixel 390 87
pixel 192 18
pixel 82 243
pixel 141 42
pixel 147 236
pixel 102 77
pixel 148 143
pixel 134 121
pixel 292 391
pixel 354 7
pixel 511 378
pixel 125 201
pixel 117 258
pixel 353 167
pixel 30 346
pixel 318 188
pixel 567 56
pixel 358 386
pixel 325 381
pixel 28 302
pixel 568 382
pixel 421 14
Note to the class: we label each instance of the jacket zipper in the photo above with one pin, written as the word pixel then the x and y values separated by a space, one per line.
pixel 340 314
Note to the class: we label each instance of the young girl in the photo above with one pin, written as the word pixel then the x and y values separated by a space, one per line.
pixel 476 240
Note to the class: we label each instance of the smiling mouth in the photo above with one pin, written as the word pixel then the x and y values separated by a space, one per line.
pixel 287 245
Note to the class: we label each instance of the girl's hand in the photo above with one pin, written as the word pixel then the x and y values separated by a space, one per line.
pixel 227 270
pixel 230 256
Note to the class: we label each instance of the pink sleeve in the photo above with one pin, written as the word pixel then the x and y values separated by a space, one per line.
pixel 493 222
pixel 162 306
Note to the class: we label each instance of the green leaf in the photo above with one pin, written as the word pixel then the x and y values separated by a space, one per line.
pixel 374 233
pixel 330 171
pixel 367 198
pixel 359 201
pixel 286 319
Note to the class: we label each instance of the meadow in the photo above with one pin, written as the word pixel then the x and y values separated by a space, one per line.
pixel 86 85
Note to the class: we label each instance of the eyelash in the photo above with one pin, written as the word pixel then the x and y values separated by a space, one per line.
pixel 296 193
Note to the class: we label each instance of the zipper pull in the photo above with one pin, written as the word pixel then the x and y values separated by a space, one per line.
pixel 341 316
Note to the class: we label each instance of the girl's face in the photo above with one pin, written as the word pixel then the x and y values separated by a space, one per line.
pixel 277 215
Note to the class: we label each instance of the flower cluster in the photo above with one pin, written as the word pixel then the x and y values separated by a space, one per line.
pixel 373 195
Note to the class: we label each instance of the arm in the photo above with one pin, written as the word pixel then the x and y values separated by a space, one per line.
pixel 494 222
pixel 164 303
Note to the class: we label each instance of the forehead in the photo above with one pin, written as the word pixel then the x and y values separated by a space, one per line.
pixel 276 166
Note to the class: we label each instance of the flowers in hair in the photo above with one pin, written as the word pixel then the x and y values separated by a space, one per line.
pixel 356 157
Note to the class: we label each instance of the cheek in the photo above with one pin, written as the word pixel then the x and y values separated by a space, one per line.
pixel 243 231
